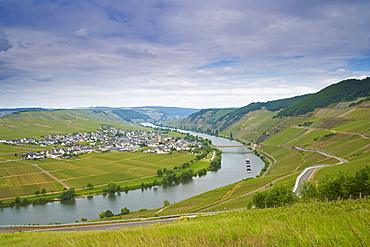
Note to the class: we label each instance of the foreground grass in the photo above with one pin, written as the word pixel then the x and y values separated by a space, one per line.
pixel 344 223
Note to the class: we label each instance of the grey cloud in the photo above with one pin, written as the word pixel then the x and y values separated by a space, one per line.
pixel 133 52
pixel 24 45
pixel 5 44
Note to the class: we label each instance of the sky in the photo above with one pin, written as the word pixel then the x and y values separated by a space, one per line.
pixel 183 53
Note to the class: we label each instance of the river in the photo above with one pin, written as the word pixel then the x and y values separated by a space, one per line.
pixel 232 170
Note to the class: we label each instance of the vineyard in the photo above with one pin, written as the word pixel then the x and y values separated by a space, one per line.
pixel 25 177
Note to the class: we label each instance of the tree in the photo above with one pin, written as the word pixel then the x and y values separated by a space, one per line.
pixel 166 203
pixel 68 194
pixel 24 201
pixel 112 187
pixel 43 191
pixel 102 215
pixel 17 200
pixel 90 185
pixel 187 174
pixel 37 192
pixel 308 191
pixel 159 173
pixel 125 211
pixel 215 164
pixel 202 172
pixel 108 214
pixel 279 195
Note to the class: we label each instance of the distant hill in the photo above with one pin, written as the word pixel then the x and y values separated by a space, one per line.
pixel 346 90
pixel 260 120
pixel 152 114
pixel 209 120
pixel 32 124
pixel 127 114
pixel 131 115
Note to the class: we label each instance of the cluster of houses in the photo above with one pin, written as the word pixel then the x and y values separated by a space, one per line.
pixel 111 139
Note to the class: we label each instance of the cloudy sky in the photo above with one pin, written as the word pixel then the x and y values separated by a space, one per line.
pixel 185 53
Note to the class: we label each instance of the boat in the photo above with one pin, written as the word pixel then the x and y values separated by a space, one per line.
pixel 247 161
pixel 249 170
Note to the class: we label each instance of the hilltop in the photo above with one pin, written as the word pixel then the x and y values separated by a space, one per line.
pixel 259 120
pixel 130 115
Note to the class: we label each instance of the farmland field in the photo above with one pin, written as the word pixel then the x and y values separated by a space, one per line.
pixel 24 177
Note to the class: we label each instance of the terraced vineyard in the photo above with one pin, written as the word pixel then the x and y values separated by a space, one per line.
pixel 24 177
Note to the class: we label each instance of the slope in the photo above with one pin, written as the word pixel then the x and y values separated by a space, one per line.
pixel 36 123
pixel 347 90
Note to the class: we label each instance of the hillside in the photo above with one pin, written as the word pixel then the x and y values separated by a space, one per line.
pixel 37 123
pixel 258 121
pixel 146 113
pixel 216 120
pixel 347 90
pixel 118 114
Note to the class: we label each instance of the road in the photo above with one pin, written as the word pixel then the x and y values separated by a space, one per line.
pixel 90 227
pixel 307 173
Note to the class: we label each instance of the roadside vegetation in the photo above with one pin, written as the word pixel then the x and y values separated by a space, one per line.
pixel 343 223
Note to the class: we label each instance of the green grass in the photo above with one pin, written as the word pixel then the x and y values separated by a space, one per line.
pixel 254 124
pixel 216 196
pixel 285 136
pixel 349 167
pixel 361 126
pixel 358 113
pixel 35 124
pixel 342 223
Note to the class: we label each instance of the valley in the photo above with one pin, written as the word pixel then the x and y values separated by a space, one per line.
pixel 285 143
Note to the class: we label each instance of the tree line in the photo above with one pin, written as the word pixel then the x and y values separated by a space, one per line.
pixel 341 186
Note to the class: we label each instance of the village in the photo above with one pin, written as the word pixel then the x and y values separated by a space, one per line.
pixel 104 140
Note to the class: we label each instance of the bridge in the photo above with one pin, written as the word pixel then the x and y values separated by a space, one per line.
pixel 240 146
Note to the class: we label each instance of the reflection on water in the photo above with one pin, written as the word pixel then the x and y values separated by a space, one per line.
pixel 232 170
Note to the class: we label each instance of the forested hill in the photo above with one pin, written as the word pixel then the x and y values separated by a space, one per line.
pixel 274 105
pixel 346 90
pixel 219 119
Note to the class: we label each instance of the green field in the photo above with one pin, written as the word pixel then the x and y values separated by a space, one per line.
pixel 17 176
pixel 342 223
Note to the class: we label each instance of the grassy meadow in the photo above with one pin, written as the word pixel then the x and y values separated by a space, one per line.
pixel 343 223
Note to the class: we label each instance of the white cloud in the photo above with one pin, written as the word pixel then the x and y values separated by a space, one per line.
pixel 81 33
pixel 133 52
pixel 212 53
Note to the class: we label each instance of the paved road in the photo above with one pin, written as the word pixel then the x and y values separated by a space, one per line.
pixel 103 226
pixel 307 173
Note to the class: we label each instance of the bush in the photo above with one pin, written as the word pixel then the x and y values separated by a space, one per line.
pixel 108 214
pixel 125 211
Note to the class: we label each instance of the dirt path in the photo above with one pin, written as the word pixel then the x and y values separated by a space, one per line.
pixel 48 173
pixel 71 121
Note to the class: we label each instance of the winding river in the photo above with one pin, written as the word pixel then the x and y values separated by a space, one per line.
pixel 232 170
